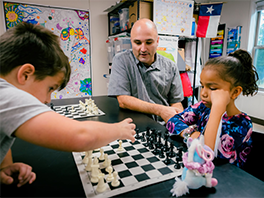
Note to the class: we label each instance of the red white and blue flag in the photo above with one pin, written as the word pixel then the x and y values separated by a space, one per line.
pixel 208 21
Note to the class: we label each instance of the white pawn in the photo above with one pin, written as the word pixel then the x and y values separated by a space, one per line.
pixel 105 163
pixel 102 154
pixel 115 181
pixel 101 187
pixel 85 159
pixel 90 161
pixel 109 169
pixel 120 148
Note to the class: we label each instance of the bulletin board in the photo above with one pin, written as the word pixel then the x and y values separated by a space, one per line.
pixel 173 17
pixel 73 28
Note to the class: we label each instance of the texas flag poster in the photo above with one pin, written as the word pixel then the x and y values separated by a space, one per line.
pixel 208 21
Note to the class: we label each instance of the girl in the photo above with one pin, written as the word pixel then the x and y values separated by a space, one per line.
pixel 225 128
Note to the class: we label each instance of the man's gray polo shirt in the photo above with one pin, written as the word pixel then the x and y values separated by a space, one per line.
pixel 160 83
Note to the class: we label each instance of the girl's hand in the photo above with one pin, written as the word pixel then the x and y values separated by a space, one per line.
pixel 127 129
pixel 220 99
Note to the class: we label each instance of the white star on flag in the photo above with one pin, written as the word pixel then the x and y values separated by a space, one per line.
pixel 210 9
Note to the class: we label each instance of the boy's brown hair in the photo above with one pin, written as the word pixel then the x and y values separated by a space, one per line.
pixel 36 45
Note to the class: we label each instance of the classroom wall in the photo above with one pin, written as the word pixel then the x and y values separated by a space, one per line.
pixel 99 34
pixel 241 13
pixel 234 13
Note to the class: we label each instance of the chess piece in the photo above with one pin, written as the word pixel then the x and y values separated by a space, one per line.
pixel 161 155
pixel 171 152
pixel 110 177
pixel 90 161
pixel 115 181
pixel 143 139
pixel 137 134
pixel 85 159
pixel 102 154
pixel 105 163
pixel 167 161
pixel 52 106
pixel 101 187
pixel 120 148
pixel 166 147
pixel 159 140
pixel 95 172
pixel 155 151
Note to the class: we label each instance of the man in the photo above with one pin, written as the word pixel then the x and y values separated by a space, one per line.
pixel 143 80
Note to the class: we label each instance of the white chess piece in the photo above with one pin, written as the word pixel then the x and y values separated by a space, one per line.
pixel 102 154
pixel 105 163
pixel 110 175
pixel 95 171
pixel 101 187
pixel 85 159
pixel 115 182
pixel 90 161
pixel 120 148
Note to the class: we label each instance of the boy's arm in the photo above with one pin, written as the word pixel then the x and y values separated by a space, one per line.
pixel 8 160
pixel 55 131
pixel 20 172
pixel 135 104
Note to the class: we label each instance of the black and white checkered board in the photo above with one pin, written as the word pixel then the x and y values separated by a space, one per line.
pixel 137 167
pixel 78 112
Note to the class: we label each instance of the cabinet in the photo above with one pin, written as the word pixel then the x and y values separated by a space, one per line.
pixel 136 9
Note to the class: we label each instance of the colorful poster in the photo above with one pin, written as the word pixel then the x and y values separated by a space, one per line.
pixel 168 47
pixel 173 17
pixel 73 28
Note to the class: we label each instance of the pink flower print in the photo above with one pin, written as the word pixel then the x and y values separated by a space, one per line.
pixel 243 155
pixel 226 147
pixel 249 133
pixel 188 117
pixel 170 126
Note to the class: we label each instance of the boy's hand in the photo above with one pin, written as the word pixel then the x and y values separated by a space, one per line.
pixel 127 129
pixel 20 172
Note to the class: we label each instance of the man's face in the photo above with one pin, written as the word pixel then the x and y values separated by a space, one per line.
pixel 144 41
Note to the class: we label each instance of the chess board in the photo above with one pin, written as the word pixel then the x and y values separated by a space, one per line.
pixel 136 166
pixel 65 110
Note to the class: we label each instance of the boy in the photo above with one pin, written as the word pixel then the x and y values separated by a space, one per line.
pixel 32 67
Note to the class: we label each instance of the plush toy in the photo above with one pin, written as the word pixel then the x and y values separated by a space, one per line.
pixel 198 168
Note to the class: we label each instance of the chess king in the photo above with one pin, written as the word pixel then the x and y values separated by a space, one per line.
pixel 198 170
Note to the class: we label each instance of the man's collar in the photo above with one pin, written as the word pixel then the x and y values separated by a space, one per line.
pixel 153 66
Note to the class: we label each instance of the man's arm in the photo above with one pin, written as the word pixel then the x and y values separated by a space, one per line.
pixel 135 104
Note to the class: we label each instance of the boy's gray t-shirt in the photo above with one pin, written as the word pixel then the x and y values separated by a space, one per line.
pixel 16 107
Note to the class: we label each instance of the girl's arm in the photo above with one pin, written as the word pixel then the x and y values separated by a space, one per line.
pixel 220 99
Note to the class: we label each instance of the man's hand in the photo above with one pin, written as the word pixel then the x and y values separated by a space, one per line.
pixel 168 111
pixel 17 171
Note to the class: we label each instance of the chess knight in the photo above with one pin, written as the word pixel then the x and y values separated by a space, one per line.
pixel 198 170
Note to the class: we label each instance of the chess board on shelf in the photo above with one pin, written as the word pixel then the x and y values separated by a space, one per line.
pixel 81 110
pixel 137 166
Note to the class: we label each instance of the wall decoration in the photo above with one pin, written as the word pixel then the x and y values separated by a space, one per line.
pixel 233 39
pixel 73 28
pixel 173 17
pixel 216 44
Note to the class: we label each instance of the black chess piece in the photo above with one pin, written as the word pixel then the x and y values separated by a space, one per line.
pixel 155 151
pixel 171 152
pixel 161 155
pixel 148 132
pixel 151 143
pixel 167 161
pixel 137 134
pixel 52 106
pixel 177 165
pixel 166 147
pixel 159 140
pixel 179 154
pixel 143 139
